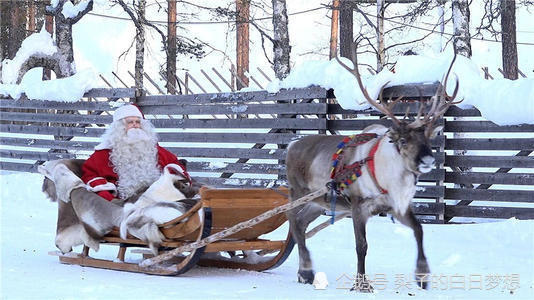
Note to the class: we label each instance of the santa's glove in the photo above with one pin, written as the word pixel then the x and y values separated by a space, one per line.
pixel 106 195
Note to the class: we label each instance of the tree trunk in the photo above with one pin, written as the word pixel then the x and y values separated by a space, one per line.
pixel 462 45
pixel 49 26
pixel 242 51
pixel 381 54
pixel 334 29
pixel 140 48
pixel 509 46
pixel 441 14
pixel 4 30
pixel 281 47
pixel 64 45
pixel 345 28
pixel 31 17
pixel 460 21
pixel 16 14
pixel 171 47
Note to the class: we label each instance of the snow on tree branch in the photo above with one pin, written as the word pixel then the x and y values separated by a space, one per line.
pixel 36 46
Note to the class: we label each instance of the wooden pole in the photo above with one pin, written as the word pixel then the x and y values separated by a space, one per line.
pixel 152 262
pixel 334 29
pixel 242 51
pixel 171 47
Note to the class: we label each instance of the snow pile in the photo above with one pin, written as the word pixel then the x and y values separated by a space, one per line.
pixel 503 101
pixel 68 89
pixel 330 74
pixel 70 10
pixel 40 43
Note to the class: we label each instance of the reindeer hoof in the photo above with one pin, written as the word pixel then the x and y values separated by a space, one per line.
pixel 422 281
pixel 362 287
pixel 306 276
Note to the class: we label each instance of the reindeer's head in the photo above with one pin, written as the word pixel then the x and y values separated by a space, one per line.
pixel 413 146
pixel 412 139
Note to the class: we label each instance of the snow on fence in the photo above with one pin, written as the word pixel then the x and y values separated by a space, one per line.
pixel 239 140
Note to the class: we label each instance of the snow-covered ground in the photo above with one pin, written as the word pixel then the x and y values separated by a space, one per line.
pixel 480 261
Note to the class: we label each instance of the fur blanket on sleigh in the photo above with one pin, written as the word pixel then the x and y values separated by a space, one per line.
pixel 84 217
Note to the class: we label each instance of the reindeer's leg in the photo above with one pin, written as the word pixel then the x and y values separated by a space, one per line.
pixel 360 215
pixel 299 219
pixel 422 270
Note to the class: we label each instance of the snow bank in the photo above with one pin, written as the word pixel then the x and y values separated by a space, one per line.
pixel 479 261
pixel 503 101
pixel 68 89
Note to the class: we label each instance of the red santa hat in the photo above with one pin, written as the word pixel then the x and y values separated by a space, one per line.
pixel 127 111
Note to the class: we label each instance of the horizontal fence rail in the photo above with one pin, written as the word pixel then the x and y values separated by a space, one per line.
pixel 239 140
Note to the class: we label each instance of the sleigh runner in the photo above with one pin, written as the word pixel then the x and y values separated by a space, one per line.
pixel 218 210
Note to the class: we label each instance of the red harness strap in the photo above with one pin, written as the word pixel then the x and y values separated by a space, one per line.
pixel 371 165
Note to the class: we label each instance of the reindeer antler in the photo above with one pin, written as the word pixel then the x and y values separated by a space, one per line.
pixel 385 109
pixel 441 101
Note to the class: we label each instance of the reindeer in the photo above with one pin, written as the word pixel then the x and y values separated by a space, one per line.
pixel 388 165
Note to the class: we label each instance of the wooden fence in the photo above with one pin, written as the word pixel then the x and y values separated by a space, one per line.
pixel 238 140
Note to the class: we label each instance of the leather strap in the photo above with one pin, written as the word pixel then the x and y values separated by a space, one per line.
pixel 371 165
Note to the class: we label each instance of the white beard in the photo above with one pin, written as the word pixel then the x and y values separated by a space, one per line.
pixel 134 157
pixel 136 135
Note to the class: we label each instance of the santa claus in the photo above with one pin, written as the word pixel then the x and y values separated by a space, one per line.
pixel 128 159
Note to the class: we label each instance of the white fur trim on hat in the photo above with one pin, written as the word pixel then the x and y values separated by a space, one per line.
pixel 126 111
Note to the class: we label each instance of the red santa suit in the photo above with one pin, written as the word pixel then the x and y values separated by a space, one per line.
pixel 98 171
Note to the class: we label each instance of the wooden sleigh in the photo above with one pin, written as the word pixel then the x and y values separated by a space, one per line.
pixel 219 209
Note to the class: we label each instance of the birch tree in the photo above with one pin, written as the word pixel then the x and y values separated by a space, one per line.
pixel 462 45
pixel 460 21
pixel 281 47
pixel 137 15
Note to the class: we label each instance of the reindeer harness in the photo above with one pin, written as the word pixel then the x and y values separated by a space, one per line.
pixel 344 175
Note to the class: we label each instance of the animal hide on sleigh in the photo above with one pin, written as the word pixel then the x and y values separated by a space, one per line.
pixel 84 217
pixel 163 201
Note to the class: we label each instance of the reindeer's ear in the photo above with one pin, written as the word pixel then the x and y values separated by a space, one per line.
pixel 183 162
pixel 435 131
